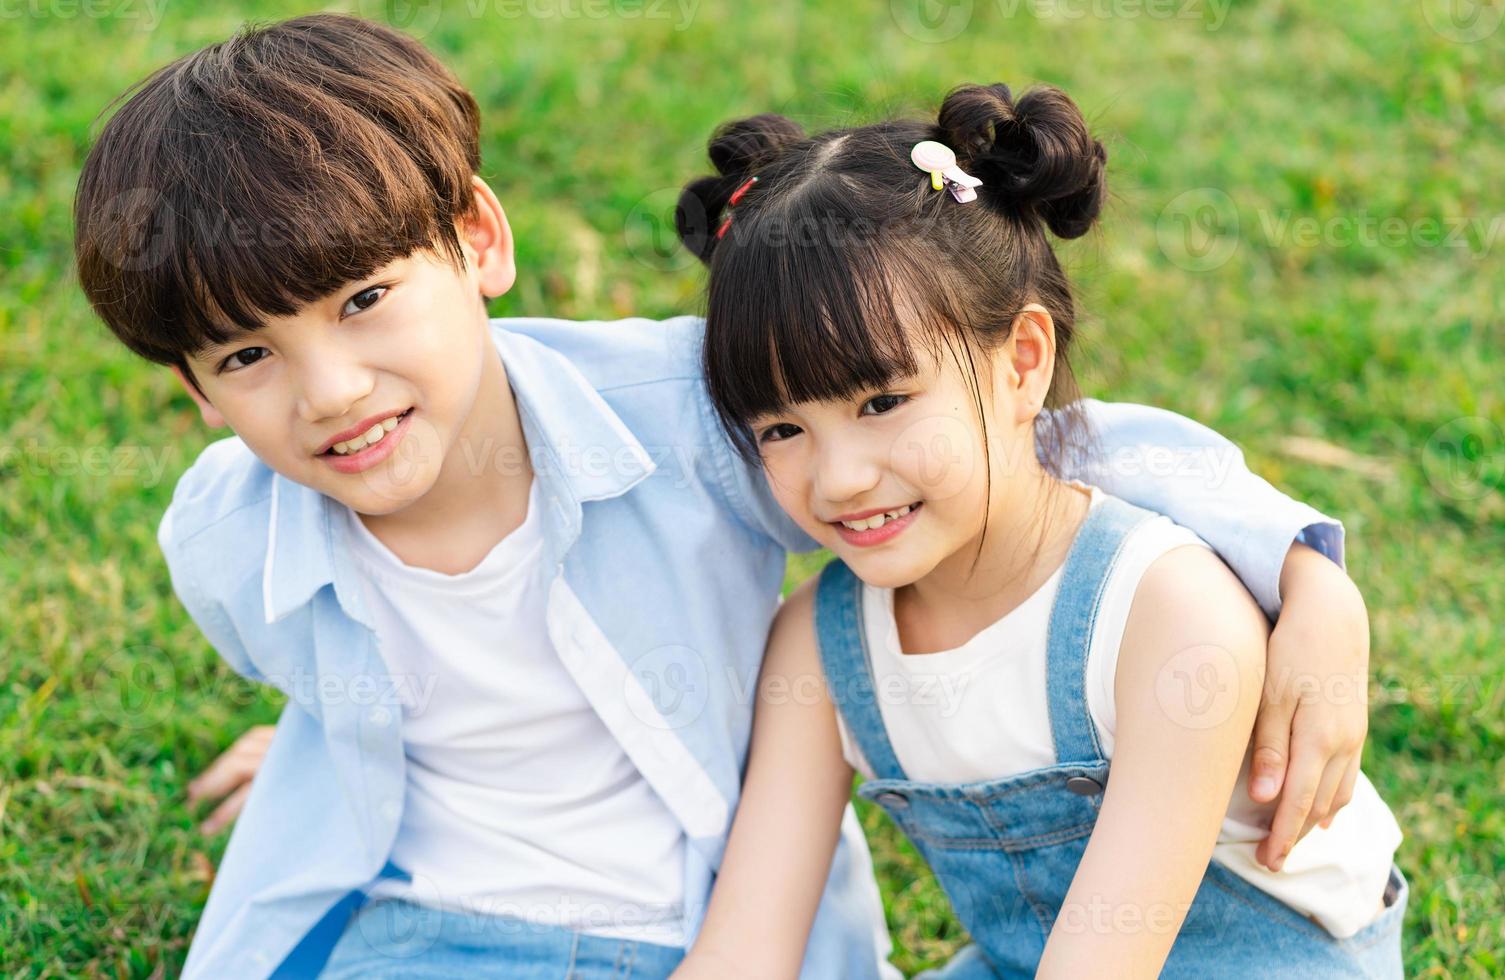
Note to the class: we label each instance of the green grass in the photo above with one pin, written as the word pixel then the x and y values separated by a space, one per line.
pixel 1227 135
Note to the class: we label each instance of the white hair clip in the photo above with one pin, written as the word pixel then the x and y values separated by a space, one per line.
pixel 938 160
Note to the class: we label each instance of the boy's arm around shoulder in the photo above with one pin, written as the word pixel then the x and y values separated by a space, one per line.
pixel 1175 466
pixel 788 821
pixel 1187 684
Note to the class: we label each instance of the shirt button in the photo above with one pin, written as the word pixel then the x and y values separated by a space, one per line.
pixel 894 801
pixel 1084 785
pixel 380 716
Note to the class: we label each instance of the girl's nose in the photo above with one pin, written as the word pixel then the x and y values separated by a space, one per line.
pixel 845 476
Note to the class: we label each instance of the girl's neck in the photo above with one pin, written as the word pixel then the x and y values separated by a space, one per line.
pixel 1032 521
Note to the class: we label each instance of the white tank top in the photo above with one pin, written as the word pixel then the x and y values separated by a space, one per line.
pixel 979 712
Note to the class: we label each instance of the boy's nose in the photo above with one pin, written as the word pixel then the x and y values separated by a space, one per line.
pixel 330 390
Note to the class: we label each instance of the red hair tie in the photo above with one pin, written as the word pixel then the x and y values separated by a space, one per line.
pixel 732 202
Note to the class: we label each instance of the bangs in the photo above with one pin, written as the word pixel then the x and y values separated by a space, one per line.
pixel 818 316
pixel 222 274
pixel 260 175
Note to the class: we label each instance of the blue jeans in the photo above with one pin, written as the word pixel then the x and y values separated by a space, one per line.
pixel 391 937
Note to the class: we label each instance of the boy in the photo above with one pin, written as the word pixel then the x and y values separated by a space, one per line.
pixel 511 575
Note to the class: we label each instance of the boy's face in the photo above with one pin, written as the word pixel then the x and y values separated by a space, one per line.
pixel 401 353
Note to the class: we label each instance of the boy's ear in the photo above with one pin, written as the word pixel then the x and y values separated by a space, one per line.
pixel 489 238
pixel 211 415
pixel 1031 359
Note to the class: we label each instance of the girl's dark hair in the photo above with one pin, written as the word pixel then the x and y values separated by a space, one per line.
pixel 842 241
pixel 264 172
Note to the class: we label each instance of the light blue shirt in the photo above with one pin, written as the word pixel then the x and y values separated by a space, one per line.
pixel 667 554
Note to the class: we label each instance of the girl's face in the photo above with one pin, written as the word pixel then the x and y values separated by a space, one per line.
pixel 895 481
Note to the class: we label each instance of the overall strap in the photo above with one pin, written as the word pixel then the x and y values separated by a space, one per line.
pixel 1073 618
pixel 849 673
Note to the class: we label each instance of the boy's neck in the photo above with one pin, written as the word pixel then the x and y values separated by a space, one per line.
pixel 481 493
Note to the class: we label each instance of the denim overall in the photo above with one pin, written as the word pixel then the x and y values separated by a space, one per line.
pixel 1005 850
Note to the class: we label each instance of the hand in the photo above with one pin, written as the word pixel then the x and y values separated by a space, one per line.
pixel 230 777
pixel 1314 716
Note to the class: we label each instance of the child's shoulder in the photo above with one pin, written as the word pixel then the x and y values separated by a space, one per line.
pixel 226 479
pixel 615 354
pixel 1188 599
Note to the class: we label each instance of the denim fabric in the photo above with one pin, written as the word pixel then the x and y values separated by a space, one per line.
pixel 394 939
pixel 1006 850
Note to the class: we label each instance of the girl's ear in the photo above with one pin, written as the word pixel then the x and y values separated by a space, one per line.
pixel 489 237
pixel 211 415
pixel 1030 360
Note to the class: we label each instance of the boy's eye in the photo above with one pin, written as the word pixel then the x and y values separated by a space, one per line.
pixel 774 433
pixel 363 300
pixel 883 403
pixel 233 363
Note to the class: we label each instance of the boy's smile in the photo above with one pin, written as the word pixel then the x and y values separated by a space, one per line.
pixel 363 446
pixel 365 395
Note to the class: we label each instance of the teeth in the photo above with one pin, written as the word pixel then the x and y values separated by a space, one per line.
pixel 878 520
pixel 370 436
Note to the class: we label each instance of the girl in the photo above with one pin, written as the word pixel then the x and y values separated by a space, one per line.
pixel 887 323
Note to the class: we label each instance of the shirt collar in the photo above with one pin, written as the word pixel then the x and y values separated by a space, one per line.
pixel 580 450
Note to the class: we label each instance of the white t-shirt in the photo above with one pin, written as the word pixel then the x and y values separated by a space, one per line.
pixel 519 800
pixel 979 712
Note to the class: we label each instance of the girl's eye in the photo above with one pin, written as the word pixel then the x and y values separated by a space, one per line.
pixel 233 363
pixel 357 300
pixel 883 403
pixel 783 430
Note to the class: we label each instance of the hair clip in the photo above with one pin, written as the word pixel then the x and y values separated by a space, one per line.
pixel 938 160
pixel 732 202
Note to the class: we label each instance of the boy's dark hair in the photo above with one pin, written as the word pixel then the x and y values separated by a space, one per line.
pixel 842 240
pixel 262 173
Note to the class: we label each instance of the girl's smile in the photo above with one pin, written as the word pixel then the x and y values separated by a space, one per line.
pixel 874 527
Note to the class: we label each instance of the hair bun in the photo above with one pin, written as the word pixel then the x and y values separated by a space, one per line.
pixel 1034 156
pixel 737 150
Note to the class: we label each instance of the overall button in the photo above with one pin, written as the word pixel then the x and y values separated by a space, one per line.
pixel 1084 785
pixel 897 801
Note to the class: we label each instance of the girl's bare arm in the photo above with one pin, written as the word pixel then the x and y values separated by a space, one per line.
pixel 1190 671
pixel 788 821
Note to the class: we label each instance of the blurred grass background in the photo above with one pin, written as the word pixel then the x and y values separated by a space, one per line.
pixel 1304 251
